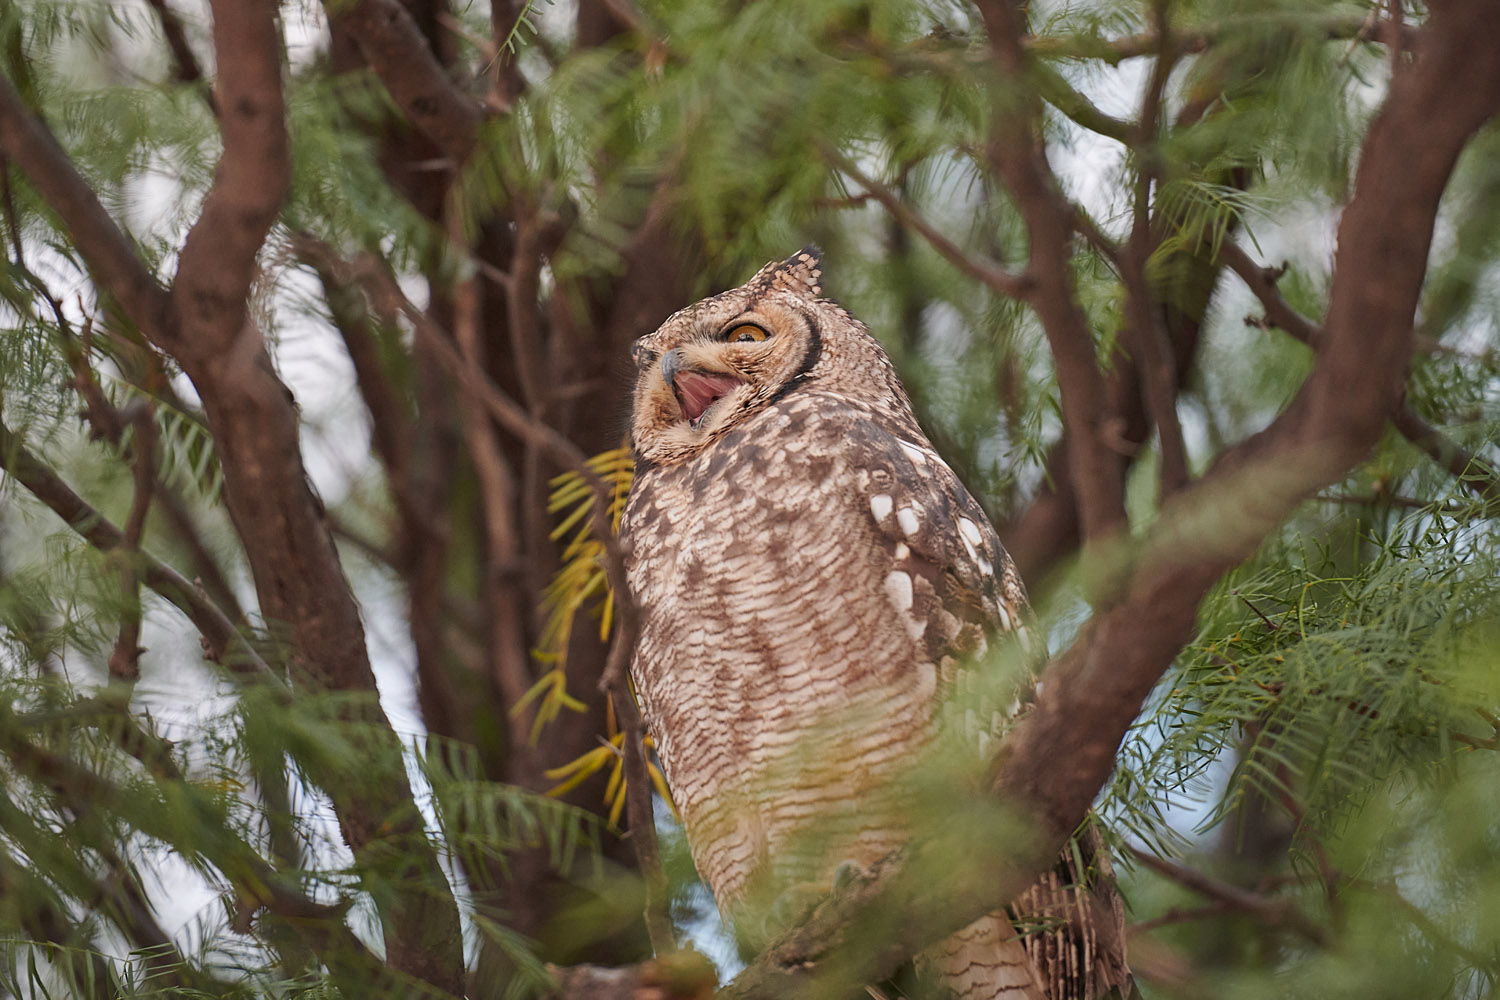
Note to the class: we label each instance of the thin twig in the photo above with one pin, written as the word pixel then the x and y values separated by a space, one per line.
pixel 1181 915
pixel 45 918
pixel 256 882
pixel 1063 96
pixel 1379 498
pixel 135 738
pixel 390 423
pixel 638 805
pixel 1157 369
pixel 1261 615
pixel 388 298
pixel 505 620
pixel 1490 742
pixel 111 256
pixel 1016 286
pixel 1430 929
pixel 1272 912
pixel 1477 475
pixel 12 221
pixel 1192 41
pixel 124 659
pixel 1085 225
pixel 1262 283
pixel 222 640
pixel 1368 31
pixel 185 67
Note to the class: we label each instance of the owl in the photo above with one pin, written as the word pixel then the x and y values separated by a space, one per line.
pixel 814 584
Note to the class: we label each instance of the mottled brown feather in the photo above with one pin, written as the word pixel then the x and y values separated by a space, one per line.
pixel 813 580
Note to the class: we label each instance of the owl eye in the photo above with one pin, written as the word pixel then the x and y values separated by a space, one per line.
pixel 746 333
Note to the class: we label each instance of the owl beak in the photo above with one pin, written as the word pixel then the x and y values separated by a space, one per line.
pixel 695 390
pixel 671 364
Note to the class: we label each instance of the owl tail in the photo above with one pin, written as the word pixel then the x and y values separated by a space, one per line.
pixel 984 961
pixel 1062 939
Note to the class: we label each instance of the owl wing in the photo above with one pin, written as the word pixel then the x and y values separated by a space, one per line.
pixel 955 587
pixel 949 577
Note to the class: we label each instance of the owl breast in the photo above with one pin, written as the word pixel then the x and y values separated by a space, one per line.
pixel 817 594
pixel 784 691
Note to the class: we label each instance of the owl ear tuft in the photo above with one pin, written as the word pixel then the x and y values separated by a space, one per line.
pixel 802 272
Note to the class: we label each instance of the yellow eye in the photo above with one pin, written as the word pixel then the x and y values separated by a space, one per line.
pixel 746 333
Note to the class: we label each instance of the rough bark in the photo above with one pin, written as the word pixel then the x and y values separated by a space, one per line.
pixel 203 322
pixel 1053 764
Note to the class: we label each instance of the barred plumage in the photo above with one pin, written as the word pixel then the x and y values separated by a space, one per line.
pixel 813 578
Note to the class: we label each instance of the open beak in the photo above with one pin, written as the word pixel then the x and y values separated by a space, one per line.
pixel 695 390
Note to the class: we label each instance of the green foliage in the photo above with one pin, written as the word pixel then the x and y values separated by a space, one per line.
pixel 1327 665
pixel 1324 738
pixel 94 796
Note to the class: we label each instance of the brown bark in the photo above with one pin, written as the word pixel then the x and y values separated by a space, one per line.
pixel 395 48
pixel 468 680
pixel 203 322
pixel 1477 475
pixel 1046 531
pixel 220 636
pixel 1054 762
pixel 1019 158
pixel 1453 88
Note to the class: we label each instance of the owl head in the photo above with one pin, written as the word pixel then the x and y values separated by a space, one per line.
pixel 719 362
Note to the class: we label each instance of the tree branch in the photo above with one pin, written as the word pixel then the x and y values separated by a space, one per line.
pixel 390 416
pixel 124 660
pixel 394 47
pixel 1053 762
pixel 223 642
pixel 638 807
pixel 185 68
pixel 1330 426
pixel 1468 468
pixel 257 883
pixel 996 278
pixel 217 263
pixel 1476 474
pixel 1158 379
pixel 1066 98
pixel 505 618
pixel 1274 912
pixel 1262 283
pixel 110 255
pixel 1192 41
pixel 1047 529
pixel 46 919
pixel 1019 158
pixel 390 301
pixel 255 424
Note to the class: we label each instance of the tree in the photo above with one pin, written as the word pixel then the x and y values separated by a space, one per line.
pixel 1278 543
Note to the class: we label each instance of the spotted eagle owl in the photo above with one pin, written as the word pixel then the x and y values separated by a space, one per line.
pixel 812 578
